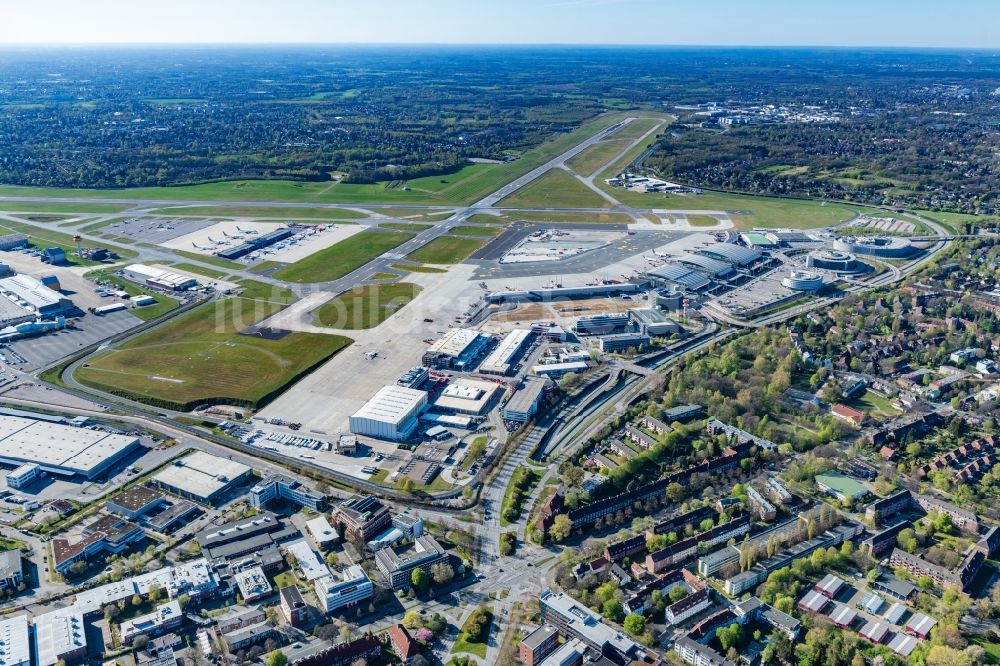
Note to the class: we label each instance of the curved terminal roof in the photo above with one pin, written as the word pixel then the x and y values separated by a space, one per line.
pixel 682 276
pixel 734 254
pixel 713 267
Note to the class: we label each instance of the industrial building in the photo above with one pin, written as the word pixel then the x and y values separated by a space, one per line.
pixel 525 401
pixel 15 640
pixel 467 396
pixel 10 242
pixel 60 449
pixel 455 350
pixel 31 294
pixel 803 281
pixel 59 636
pixel 254 244
pixel 392 413
pixel 202 477
pixel 652 322
pixel 154 276
pixel 504 358
pixel 344 588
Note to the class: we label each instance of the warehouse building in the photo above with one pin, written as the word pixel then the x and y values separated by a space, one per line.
pixel 10 242
pixel 456 350
pixel 15 640
pixel 504 358
pixel 29 293
pixel 467 396
pixel 392 414
pixel 202 477
pixel 59 636
pixel 525 401
pixel 158 277
pixel 60 449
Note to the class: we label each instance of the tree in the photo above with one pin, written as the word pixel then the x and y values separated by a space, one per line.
pixel 419 579
pixel 572 476
pixel 942 655
pixel 676 492
pixel 561 528
pixel 412 620
pixel 442 572
pixel 277 658
pixel 613 610
pixel 677 593
pixel 635 623
pixel 140 643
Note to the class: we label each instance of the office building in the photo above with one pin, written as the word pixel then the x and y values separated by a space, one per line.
pixel 293 606
pixel 344 588
pixel 165 618
pixel 398 568
pixel 538 644
pixel 252 584
pixel 523 404
pixel 136 502
pixel 362 517
pixel 573 620
pixel 278 487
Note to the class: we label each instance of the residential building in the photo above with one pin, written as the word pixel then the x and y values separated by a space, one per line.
pixel 960 577
pixel 253 635
pixel 696 654
pixel 293 606
pixel 889 506
pixel 760 505
pixel 403 644
pixel 367 648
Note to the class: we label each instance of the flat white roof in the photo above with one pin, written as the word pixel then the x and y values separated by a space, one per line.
pixel 58 633
pixel 201 474
pixel 499 359
pixel 14 644
pixel 312 567
pixel 559 367
pixel 321 530
pixel 31 291
pixel 56 447
pixel 392 404
pixel 454 342
pixel 466 395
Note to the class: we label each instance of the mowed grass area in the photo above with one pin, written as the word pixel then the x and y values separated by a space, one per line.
pixel 593 158
pixel 404 226
pixel 570 218
pixel 201 270
pixel 637 128
pixel 477 645
pixel 468 230
pixel 341 258
pixel 61 207
pixel 483 218
pixel 702 220
pixel 163 305
pixel 366 307
pixel 201 357
pixel 417 269
pixel 554 189
pixel 874 404
pixel 264 211
pixel 466 185
pixel 446 250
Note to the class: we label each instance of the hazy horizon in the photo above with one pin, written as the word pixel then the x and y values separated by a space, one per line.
pixel 724 23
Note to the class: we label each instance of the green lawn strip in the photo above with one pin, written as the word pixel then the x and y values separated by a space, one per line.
pixel 596 156
pixel 385 276
pixel 446 250
pixel 46 238
pixel 417 269
pixel 404 226
pixel 202 357
pixel 992 649
pixel 482 218
pixel 513 499
pixel 556 188
pixel 284 213
pixel 469 230
pixel 636 128
pixel 210 259
pixel 341 258
pixel 702 220
pixel 163 304
pixel 267 292
pixel 366 307
pixel 61 207
pixel 265 266
pixel 570 218
pixel 201 270
pixel 435 486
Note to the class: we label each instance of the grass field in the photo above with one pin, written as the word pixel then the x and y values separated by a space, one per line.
pixel 574 218
pixel 263 211
pixel 385 276
pixel 446 250
pixel 201 270
pixel 874 404
pixel 554 189
pixel 366 307
pixel 466 185
pixel 465 644
pixel 163 305
pixel 210 259
pixel 263 291
pixel 636 128
pixel 202 357
pixel 702 220
pixel 62 207
pixel 599 154
pixel 476 231
pixel 404 226
pixel 482 218
pixel 341 258
pixel 417 269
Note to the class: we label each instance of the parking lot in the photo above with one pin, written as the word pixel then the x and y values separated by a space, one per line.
pixel 89 329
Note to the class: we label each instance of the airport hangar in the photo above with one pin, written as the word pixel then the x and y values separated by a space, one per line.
pixel 61 450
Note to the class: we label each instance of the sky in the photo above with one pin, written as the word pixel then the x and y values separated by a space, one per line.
pixel 920 23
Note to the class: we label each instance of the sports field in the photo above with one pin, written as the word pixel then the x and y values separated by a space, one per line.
pixel 446 250
pixel 366 307
pixel 202 357
pixel 554 189
pixel 340 259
